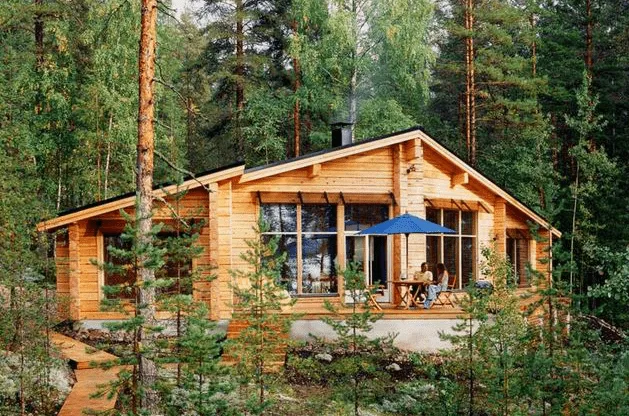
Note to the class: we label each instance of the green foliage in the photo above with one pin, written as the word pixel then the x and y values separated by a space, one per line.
pixel 259 299
pixel 266 116
pixel 490 343
pixel 422 397
pixel 357 374
pixel 380 117
pixel 205 383
pixel 614 267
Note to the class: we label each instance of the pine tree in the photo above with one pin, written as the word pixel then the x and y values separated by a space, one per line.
pixel 204 382
pixel 259 299
pixel 487 109
pixel 125 298
pixel 357 370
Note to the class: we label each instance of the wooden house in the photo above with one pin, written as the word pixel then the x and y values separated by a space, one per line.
pixel 316 204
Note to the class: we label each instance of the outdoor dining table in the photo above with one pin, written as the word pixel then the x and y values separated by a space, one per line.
pixel 407 297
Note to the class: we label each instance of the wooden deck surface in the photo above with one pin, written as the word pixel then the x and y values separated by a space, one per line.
pixel 89 379
pixel 79 353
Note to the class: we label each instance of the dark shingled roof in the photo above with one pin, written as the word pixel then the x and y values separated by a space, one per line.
pixel 282 162
pixel 158 186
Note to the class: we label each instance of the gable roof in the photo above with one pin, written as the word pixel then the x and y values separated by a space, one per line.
pixel 259 172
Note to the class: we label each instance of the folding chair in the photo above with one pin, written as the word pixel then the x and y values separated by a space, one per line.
pixel 371 292
pixel 444 298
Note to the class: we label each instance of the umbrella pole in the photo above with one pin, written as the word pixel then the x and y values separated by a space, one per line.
pixel 407 276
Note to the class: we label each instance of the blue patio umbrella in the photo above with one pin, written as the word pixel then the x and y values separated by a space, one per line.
pixel 407 224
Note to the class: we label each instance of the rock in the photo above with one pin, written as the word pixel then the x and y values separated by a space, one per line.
pixel 393 367
pixel 324 357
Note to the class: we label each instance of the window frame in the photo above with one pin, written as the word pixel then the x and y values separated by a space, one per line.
pixel 458 237
pixel 518 236
pixel 299 234
pixel 102 258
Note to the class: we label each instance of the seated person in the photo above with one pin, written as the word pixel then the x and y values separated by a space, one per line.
pixel 439 284
pixel 424 276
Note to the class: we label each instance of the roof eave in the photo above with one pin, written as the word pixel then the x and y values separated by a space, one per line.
pixel 51 224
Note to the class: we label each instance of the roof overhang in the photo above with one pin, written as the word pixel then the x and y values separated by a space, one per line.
pixel 257 173
pixel 262 172
pixel 127 201
pixel 488 183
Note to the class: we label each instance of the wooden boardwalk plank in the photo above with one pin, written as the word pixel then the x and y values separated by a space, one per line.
pixel 89 380
pixel 81 354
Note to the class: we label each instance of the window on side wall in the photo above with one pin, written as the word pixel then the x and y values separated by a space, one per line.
pixel 124 273
pixel 518 254
pixel 307 233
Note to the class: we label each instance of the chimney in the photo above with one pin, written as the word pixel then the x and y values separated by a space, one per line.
pixel 342 134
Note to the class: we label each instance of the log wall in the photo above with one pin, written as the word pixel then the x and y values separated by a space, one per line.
pixel 408 176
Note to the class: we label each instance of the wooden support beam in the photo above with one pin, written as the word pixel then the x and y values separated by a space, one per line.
pixel 414 150
pixel 485 207
pixel 213 214
pixel 462 178
pixel 500 228
pixel 74 271
pixel 314 170
pixel 456 204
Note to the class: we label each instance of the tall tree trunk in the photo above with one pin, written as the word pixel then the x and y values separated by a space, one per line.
pixel 533 21
pixel 108 157
pixel 144 187
pixel 296 86
pixel 588 37
pixel 470 85
pixel 39 51
pixel 240 75
pixel 588 57
pixel 98 151
pixel 353 83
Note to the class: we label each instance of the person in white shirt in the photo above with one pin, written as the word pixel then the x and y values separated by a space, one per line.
pixel 426 274
pixel 425 277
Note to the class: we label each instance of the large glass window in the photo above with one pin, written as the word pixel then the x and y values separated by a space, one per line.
pixel 310 244
pixel 456 251
pixel 318 248
pixel 359 217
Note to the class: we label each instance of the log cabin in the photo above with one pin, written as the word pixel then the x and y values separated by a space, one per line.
pixel 316 204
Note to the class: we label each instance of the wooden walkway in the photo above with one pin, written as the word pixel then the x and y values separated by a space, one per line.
pixel 84 358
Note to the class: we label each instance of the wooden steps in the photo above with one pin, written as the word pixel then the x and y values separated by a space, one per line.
pixel 88 379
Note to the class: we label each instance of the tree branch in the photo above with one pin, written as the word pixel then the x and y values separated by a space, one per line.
pixel 181 170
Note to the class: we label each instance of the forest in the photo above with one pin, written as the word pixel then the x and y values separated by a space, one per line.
pixel 533 94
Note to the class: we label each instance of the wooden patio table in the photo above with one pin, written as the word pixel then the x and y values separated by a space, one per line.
pixel 403 289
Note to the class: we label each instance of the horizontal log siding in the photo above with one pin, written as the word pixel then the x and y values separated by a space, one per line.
pixel 62 262
pixel 516 219
pixel 223 281
pixel 74 270
pixel 195 204
pixel 415 189
pixel 368 173
pixel 90 292
pixel 438 173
